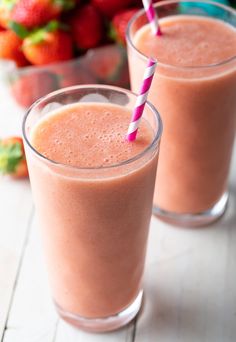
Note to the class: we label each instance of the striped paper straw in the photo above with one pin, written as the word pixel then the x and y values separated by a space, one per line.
pixel 152 17
pixel 141 100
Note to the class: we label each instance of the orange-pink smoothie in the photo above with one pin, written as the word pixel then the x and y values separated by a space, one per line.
pixel 94 215
pixel 197 102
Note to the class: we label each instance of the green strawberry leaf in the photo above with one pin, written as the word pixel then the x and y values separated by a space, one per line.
pixel 19 29
pixel 65 4
pixel 9 4
pixel 112 33
pixel 52 26
pixel 37 36
pixel 10 157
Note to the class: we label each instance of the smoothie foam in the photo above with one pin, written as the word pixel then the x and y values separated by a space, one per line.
pixel 188 41
pixel 89 135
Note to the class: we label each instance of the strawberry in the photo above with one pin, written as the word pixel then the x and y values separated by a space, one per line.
pixel 106 65
pixel 110 7
pixel 119 24
pixel 4 17
pixel 72 73
pixel 12 157
pixel 30 87
pixel 80 77
pixel 10 47
pixel 32 13
pixel 6 7
pixel 87 27
pixel 48 45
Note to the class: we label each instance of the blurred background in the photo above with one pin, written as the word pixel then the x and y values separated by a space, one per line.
pixel 49 44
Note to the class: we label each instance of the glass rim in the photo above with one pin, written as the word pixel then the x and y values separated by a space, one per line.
pixel 173 66
pixel 154 142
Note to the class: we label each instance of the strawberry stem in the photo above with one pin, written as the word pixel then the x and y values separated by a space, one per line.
pixel 66 5
pixel 19 29
pixel 52 26
pixel 38 35
pixel 10 157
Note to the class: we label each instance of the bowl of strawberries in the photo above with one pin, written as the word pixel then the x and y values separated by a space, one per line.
pixel 52 44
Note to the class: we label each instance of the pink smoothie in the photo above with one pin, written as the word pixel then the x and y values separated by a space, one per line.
pixel 94 215
pixel 197 104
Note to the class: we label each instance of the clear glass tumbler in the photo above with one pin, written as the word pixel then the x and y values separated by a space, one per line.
pixel 198 107
pixel 94 221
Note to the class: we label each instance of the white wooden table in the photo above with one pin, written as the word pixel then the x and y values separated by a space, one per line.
pixel 190 278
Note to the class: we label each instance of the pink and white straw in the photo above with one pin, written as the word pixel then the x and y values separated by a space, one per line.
pixel 141 100
pixel 152 17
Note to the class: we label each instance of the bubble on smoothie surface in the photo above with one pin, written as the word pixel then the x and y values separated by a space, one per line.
pixel 89 135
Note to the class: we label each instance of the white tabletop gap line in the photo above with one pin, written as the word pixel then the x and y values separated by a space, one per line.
pixel 16 208
pixel 131 337
pixel 32 317
pixel 25 243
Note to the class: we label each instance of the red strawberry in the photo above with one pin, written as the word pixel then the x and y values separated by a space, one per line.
pixel 30 87
pixel 80 77
pixel 72 73
pixel 12 157
pixel 106 65
pixel 31 13
pixel 6 7
pixel 4 17
pixel 48 45
pixel 120 22
pixel 111 7
pixel 87 27
pixel 10 47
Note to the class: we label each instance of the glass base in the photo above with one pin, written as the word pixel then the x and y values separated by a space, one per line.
pixel 103 324
pixel 194 220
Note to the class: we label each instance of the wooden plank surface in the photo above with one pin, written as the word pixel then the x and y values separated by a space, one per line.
pixel 15 214
pixel 190 292
pixel 32 316
pixel 16 208
pixel 66 333
pixel 190 281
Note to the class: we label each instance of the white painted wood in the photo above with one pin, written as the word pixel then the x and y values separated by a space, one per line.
pixel 32 317
pixel 190 281
pixel 31 334
pixel 66 333
pixel 15 210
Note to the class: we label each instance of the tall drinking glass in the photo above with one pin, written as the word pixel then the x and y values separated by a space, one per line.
pixel 198 105
pixel 94 219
